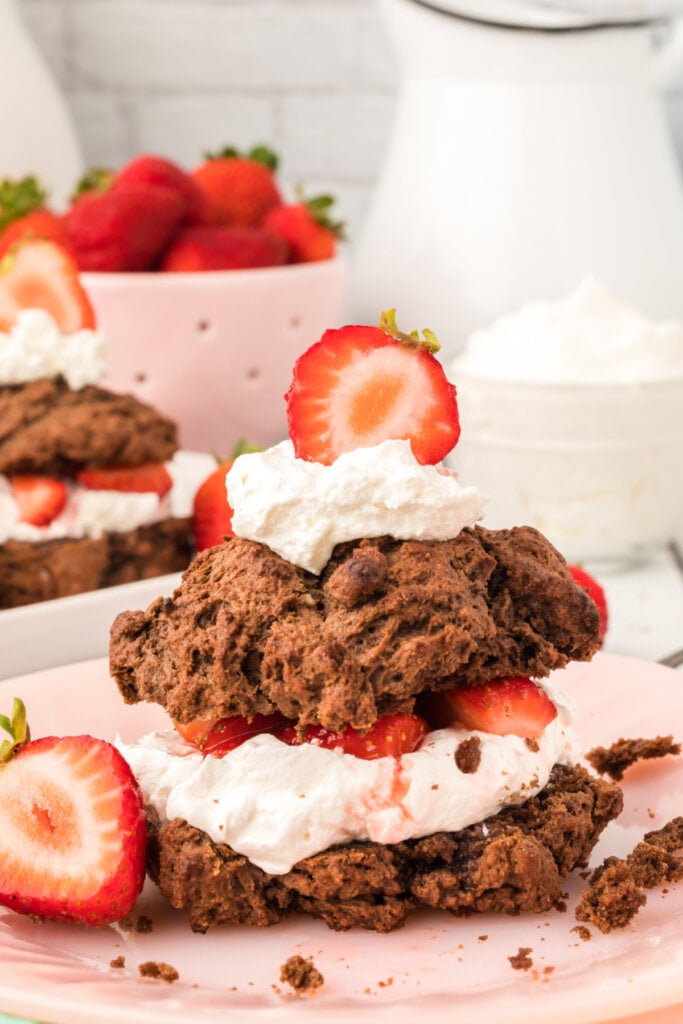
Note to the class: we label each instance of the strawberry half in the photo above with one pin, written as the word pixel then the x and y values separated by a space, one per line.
pixel 40 498
pixel 512 704
pixel 149 477
pixel 359 386
pixel 595 590
pixel 73 836
pixel 39 274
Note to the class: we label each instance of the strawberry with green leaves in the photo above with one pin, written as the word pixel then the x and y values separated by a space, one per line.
pixel 238 189
pixel 211 512
pixel 155 171
pixel 72 827
pixel 307 227
pixel 359 386
pixel 24 215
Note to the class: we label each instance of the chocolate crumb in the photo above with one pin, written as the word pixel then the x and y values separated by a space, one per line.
pixel 468 755
pixel 668 837
pixel 531 744
pixel 521 961
pixel 612 897
pixel 482 938
pixel 302 975
pixel 118 962
pixel 158 969
pixel 615 759
pixel 385 984
pixel 144 925
pixel 583 932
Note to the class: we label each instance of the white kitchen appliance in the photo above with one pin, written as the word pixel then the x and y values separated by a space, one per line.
pixel 38 136
pixel 530 149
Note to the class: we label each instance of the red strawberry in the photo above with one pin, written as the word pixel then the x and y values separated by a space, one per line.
pixel 211 512
pixel 124 228
pixel 595 590
pixel 41 275
pixel 19 198
pixel 216 248
pixel 40 498
pixel 73 836
pixel 306 228
pixel 219 737
pixel 512 704
pixel 149 477
pixel 391 736
pixel 239 190
pixel 157 171
pixel 359 386
pixel 39 223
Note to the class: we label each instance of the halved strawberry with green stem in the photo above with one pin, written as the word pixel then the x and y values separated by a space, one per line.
pixel 40 498
pixel 39 274
pixel 72 827
pixel 359 386
pixel 148 477
pixel 512 704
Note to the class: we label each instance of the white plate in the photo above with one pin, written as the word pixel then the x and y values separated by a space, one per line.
pixel 71 629
pixel 437 968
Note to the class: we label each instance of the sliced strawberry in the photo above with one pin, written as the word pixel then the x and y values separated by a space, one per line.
pixel 359 386
pixel 73 837
pixel 217 737
pixel 391 736
pixel 39 274
pixel 596 591
pixel 40 498
pixel 512 704
pixel 149 477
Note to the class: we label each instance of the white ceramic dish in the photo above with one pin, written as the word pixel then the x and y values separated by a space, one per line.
pixel 215 350
pixel 72 629
pixel 438 968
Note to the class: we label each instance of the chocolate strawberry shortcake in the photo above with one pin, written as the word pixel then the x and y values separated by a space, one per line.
pixel 358 677
pixel 84 485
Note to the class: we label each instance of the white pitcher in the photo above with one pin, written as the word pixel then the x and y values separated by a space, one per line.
pixel 36 132
pixel 521 161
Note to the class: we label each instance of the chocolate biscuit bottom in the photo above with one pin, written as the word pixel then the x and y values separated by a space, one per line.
pixel 514 862
pixel 60 568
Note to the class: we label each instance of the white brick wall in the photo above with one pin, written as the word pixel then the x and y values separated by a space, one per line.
pixel 314 78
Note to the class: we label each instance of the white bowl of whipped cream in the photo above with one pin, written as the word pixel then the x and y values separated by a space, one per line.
pixel 572 421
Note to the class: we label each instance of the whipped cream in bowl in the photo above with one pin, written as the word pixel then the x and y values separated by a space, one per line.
pixel 571 419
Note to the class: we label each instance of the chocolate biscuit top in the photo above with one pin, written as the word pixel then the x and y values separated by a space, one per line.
pixel 45 427
pixel 248 632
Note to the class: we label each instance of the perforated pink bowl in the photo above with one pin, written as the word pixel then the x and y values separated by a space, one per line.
pixel 215 351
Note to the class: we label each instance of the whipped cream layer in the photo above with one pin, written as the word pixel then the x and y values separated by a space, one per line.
pixel 36 349
pixel 301 509
pixel 87 513
pixel 587 338
pixel 277 804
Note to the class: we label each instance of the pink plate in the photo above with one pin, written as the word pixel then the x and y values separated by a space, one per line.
pixel 435 969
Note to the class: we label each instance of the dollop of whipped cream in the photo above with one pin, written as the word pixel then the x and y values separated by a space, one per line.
pixel 277 804
pixel 301 509
pixel 35 349
pixel 87 513
pixel 590 337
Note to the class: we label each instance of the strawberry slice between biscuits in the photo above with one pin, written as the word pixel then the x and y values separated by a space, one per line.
pixel 510 705
pixel 360 385
pixel 40 274
pixel 73 837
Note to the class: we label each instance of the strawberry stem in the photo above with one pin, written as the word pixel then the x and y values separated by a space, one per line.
pixel 260 154
pixel 17 727
pixel 17 198
pixel 429 340
pixel 319 208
